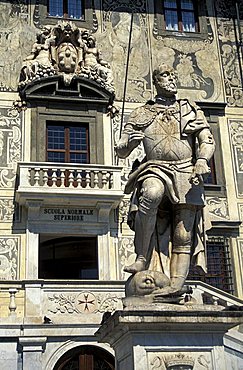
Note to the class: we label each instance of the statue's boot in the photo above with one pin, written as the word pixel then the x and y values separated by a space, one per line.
pixel 180 263
pixel 144 226
pixel 137 266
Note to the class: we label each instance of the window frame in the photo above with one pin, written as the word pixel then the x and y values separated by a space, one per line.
pixel 86 22
pixel 65 11
pixel 225 271
pixel 69 114
pixel 200 10
pixel 179 10
pixel 67 151
pixel 212 112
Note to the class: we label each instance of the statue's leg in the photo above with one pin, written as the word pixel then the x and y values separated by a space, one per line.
pixel 150 197
pixel 184 219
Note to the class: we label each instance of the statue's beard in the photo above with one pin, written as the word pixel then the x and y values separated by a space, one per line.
pixel 169 88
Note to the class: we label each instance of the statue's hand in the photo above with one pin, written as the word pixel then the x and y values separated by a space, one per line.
pixel 200 168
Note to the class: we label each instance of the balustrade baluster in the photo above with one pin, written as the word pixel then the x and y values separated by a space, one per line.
pixel 96 179
pixel 79 179
pixel 45 176
pixel 54 177
pixel 70 178
pixel 12 304
pixel 88 179
pixel 104 180
pixel 111 182
pixel 62 177
pixel 36 176
pixel 215 300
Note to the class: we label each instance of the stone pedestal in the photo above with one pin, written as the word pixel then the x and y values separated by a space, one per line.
pixel 165 336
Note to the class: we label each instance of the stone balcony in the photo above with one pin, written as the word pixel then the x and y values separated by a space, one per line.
pixel 62 183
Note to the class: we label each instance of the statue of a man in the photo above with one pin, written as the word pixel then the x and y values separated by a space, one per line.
pixel 167 186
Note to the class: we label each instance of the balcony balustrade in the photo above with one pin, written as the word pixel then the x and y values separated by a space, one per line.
pixel 56 180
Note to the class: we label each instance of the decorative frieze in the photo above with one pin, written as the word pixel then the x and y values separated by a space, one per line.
pixel 240 243
pixel 114 39
pixel 10 146
pixel 236 141
pixel 16 38
pixel 83 303
pixel 6 209
pixel 218 207
pixel 126 253
pixel 9 256
pixel 240 207
pixel 229 42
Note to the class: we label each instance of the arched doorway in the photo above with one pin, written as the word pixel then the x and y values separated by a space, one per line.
pixel 86 358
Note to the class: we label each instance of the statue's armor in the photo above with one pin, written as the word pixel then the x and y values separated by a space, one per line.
pixel 169 146
pixel 163 140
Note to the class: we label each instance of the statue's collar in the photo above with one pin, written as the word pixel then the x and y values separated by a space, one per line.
pixel 165 101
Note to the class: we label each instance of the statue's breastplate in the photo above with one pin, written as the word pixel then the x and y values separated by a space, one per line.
pixel 163 140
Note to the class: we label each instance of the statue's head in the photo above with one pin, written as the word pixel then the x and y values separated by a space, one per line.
pixel 165 80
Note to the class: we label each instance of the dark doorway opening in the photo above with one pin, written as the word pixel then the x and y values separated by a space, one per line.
pixel 69 258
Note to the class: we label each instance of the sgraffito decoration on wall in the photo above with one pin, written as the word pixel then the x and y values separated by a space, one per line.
pixel 10 146
pixel 16 38
pixel 240 248
pixel 194 57
pixel 217 207
pixel 236 141
pixel 114 40
pixel 7 209
pixel 137 154
pixel 126 254
pixel 240 208
pixel 9 254
pixel 230 51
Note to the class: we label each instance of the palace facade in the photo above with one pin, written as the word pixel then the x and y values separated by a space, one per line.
pixel 66 68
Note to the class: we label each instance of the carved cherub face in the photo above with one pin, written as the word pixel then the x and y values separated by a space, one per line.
pixel 91 41
pixel 165 80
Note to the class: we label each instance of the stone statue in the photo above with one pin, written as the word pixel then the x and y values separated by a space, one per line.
pixel 167 188
pixel 38 63
pixel 94 66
